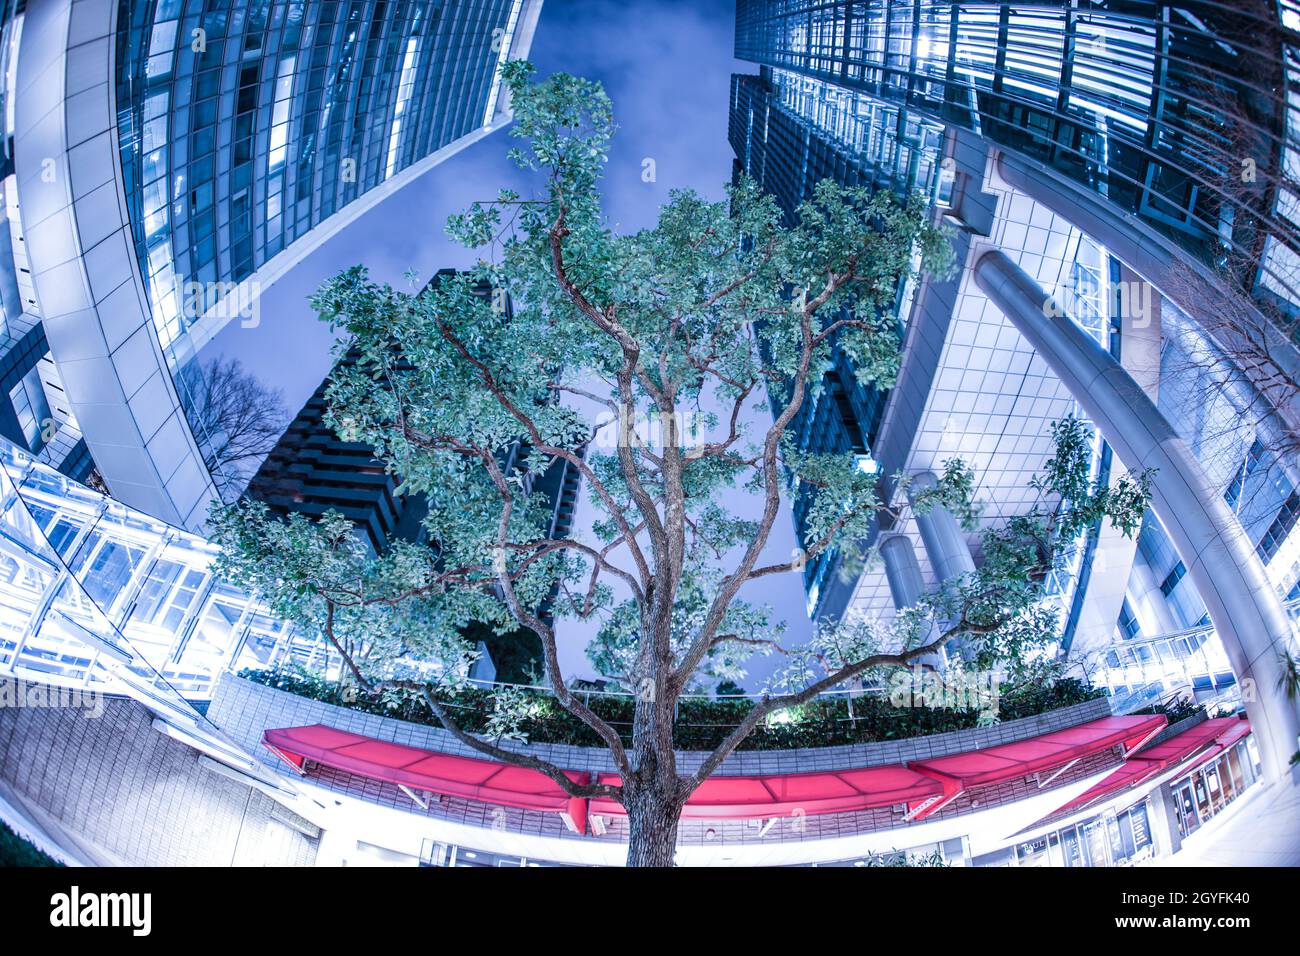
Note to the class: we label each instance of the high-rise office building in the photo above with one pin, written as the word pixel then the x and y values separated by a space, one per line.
pixel 312 470
pixel 1171 113
pixel 790 133
pixel 174 158
pixel 1132 162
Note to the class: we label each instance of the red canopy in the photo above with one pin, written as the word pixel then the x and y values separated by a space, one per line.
pixel 447 774
pixel 840 791
pixel 977 768
pixel 1130 775
pixel 924 786
pixel 1205 740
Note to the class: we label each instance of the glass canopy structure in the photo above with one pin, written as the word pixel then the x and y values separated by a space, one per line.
pixel 94 594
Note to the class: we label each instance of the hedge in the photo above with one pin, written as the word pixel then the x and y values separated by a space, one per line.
pixel 700 724
pixel 15 851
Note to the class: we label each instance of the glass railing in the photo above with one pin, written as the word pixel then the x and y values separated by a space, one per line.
pixel 1192 658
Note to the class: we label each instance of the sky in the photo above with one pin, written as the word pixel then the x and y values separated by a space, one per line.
pixel 666 65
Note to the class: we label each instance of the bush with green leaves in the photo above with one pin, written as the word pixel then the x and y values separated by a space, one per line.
pixel 698 724
pixel 15 851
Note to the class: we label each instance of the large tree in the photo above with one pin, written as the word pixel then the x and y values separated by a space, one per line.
pixel 692 321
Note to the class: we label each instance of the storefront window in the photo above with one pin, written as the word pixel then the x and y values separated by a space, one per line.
pixel 1096 842
pixel 1119 840
pixel 1033 853
pixel 1209 788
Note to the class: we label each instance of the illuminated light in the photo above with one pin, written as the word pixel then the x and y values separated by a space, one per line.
pixel 783 718
pixel 405 87
pixel 814 592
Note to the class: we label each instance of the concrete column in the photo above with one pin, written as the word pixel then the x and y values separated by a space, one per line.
pixel 1219 557
pixel 945 542
pixel 902 570
pixel 906 585
pixel 1114 557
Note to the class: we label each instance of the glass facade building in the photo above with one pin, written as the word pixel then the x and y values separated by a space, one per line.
pixel 33 413
pixel 243 127
pixel 790 132
pixel 1176 121
pixel 193 152
pixel 1178 114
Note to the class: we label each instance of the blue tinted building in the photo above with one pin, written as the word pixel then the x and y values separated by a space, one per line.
pixel 34 412
pixel 174 158
pixel 1174 113
pixel 1167 115
pixel 790 132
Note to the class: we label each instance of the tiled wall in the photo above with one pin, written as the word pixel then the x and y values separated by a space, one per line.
pixel 119 785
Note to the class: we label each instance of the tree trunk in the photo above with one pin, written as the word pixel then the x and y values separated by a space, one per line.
pixel 652 824
pixel 653 796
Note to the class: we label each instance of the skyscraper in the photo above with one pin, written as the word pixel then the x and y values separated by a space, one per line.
pixel 174 158
pixel 1167 112
pixel 1129 164
pixel 312 471
pixel 789 133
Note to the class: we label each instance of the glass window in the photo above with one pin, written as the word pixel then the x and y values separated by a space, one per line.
pixel 1280 528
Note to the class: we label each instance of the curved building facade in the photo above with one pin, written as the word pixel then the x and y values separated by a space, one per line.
pixel 1130 163
pixel 173 159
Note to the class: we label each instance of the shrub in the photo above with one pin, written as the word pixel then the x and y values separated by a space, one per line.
pixel 1177 709
pixel 15 851
pixel 700 724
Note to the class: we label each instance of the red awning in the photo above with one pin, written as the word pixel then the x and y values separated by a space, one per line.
pixel 447 774
pixel 1130 775
pixel 924 786
pixel 841 791
pixel 1199 744
pixel 1204 740
pixel 977 768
